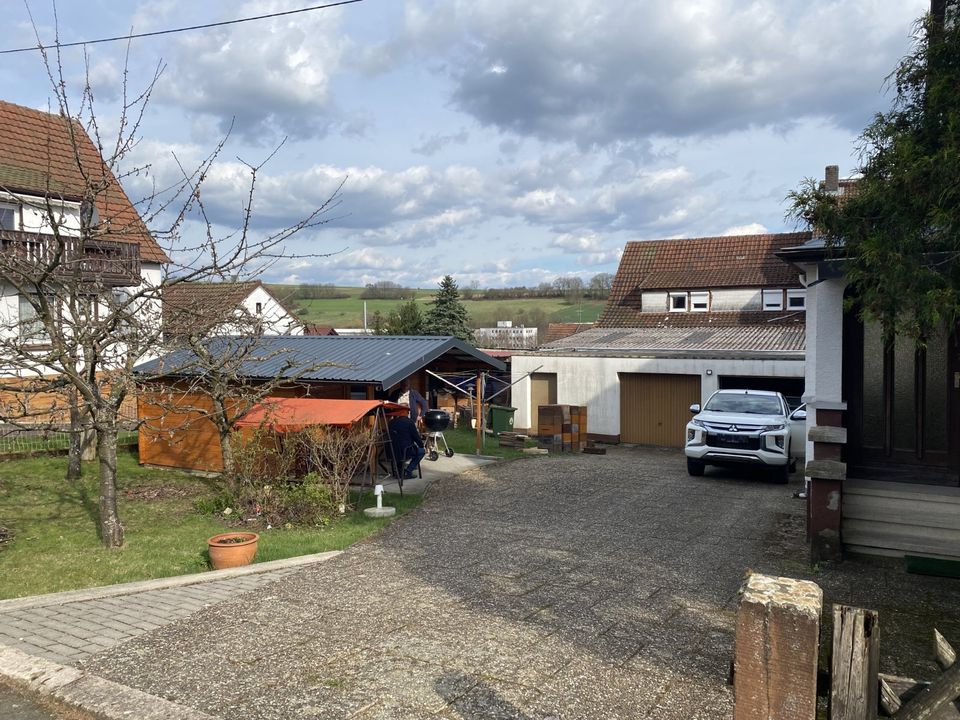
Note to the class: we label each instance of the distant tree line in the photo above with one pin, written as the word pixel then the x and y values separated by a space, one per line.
pixel 570 287
pixel 386 290
pixel 307 291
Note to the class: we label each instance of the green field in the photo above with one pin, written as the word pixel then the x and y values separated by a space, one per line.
pixel 348 312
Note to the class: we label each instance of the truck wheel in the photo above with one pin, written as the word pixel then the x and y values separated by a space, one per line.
pixel 695 467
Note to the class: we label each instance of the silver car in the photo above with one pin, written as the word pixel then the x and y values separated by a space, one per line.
pixel 745 427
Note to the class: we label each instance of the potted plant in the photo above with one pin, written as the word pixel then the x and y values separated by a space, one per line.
pixel 232 549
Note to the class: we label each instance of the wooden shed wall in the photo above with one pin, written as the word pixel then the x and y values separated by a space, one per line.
pixel 901 518
pixel 188 440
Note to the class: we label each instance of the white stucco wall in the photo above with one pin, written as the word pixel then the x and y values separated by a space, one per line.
pixel 593 381
pixel 276 320
pixel 824 380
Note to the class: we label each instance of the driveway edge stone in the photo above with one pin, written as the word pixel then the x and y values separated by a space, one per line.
pixel 105 591
pixel 89 693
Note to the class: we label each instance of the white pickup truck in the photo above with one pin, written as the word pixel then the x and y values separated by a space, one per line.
pixel 746 427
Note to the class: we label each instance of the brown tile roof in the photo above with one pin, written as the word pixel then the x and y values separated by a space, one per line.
pixel 202 305
pixel 37 158
pixel 696 263
pixel 313 329
pixel 557 331
pixel 692 341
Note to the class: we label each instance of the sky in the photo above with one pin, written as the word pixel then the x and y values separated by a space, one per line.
pixel 501 142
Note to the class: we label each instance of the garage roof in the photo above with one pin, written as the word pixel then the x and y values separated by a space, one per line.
pixel 741 340
pixel 381 360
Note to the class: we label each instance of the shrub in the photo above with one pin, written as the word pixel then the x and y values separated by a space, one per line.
pixel 300 478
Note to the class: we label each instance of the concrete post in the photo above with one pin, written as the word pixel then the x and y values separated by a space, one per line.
pixel 776 648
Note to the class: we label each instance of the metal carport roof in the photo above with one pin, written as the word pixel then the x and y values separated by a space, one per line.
pixel 383 360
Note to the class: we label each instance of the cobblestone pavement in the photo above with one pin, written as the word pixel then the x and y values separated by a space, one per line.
pixel 557 587
pixel 70 632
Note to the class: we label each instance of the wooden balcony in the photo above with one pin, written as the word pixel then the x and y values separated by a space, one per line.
pixel 100 262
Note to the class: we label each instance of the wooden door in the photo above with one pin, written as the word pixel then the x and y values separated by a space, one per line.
pixel 543 391
pixel 655 409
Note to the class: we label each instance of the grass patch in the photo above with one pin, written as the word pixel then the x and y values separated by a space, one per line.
pixel 464 442
pixel 347 312
pixel 52 524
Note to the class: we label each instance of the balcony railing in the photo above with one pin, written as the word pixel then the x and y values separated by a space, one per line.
pixel 104 262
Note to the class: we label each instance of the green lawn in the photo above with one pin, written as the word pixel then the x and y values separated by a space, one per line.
pixel 464 441
pixel 54 544
pixel 348 312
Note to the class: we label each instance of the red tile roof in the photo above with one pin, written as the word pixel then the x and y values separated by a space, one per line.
pixel 746 261
pixel 558 331
pixel 197 304
pixel 37 158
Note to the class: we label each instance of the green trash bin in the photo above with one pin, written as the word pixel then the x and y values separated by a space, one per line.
pixel 500 419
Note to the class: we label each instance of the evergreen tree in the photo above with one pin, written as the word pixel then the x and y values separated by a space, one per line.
pixel 406 319
pixel 447 315
pixel 899 232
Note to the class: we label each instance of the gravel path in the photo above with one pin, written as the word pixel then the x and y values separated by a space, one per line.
pixel 559 587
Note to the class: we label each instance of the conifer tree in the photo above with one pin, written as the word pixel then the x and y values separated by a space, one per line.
pixel 447 315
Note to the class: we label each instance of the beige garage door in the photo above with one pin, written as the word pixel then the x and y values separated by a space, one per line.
pixel 654 409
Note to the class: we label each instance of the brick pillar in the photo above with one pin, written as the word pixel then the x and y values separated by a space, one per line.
pixel 776 648
pixel 825 498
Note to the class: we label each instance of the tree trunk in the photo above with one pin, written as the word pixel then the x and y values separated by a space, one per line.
pixel 226 450
pixel 74 462
pixel 111 531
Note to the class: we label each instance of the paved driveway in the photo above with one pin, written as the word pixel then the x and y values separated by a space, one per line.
pixel 575 587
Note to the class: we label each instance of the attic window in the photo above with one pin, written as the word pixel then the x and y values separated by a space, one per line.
pixel 678 302
pixel 259 308
pixel 699 301
pixel 773 299
pixel 796 299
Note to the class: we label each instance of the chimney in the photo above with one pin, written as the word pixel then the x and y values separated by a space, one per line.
pixel 831 182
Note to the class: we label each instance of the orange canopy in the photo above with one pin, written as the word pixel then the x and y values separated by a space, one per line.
pixel 292 414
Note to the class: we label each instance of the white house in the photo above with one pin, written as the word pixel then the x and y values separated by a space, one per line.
pixel 204 305
pixel 685 318
pixel 41 199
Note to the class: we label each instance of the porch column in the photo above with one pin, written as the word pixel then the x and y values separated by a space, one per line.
pixel 825 471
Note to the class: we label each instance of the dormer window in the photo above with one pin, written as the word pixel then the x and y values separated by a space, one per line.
pixel 699 301
pixel 678 302
pixel 796 299
pixel 772 299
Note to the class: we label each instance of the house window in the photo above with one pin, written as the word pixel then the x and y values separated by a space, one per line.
pixel 699 301
pixel 796 299
pixel 32 330
pixel 678 302
pixel 259 308
pixel 773 299
pixel 8 217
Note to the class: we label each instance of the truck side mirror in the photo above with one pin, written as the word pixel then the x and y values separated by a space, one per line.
pixel 695 408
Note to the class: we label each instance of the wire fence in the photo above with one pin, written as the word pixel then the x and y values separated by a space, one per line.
pixel 20 443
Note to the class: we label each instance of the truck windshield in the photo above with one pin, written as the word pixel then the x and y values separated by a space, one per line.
pixel 746 404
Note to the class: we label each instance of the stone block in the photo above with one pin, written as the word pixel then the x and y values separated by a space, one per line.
pixel 776 647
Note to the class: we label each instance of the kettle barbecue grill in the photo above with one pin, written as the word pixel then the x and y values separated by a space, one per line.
pixel 436 421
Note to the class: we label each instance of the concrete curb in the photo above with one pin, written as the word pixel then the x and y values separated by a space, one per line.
pixel 89 693
pixel 72 596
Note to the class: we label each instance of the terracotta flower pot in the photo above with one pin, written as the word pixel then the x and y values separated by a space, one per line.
pixel 232 549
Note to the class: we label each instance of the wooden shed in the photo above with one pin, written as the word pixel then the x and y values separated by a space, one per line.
pixel 176 432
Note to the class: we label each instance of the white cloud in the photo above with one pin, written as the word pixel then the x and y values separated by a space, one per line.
pixel 749 229
pixel 587 243
pixel 603 72
pixel 268 78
